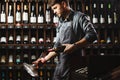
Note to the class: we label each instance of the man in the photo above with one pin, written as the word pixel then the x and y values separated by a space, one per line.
pixel 74 31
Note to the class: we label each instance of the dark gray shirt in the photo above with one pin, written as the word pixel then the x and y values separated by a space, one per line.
pixel 74 28
pixel 70 30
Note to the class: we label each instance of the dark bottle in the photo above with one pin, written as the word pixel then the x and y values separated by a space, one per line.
pixel 102 14
pixel 40 13
pixel 3 14
pixel 79 5
pixel 109 13
pixel 25 14
pixel 18 39
pixel 10 39
pixel 48 14
pixel 33 13
pixel 18 56
pixel 3 58
pixel 41 35
pixel 3 39
pixel 3 75
pixel 94 12
pixel 10 17
pixel 26 56
pixel 18 12
pixel 26 35
pixel 87 8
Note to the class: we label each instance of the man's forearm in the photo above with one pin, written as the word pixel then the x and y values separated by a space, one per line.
pixel 50 55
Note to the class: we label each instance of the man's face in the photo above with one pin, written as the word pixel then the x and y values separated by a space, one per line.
pixel 58 9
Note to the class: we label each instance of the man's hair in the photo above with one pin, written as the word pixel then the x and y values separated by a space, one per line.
pixel 52 2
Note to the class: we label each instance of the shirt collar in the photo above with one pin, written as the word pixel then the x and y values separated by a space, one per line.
pixel 69 17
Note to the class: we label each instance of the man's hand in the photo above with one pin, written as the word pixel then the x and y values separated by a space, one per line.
pixel 39 60
pixel 69 48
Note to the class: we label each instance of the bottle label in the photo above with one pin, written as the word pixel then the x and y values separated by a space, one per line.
pixel 25 16
pixel 95 20
pixel 102 20
pixel 10 19
pixel 40 19
pixel 18 16
pixel 33 19
pixel 3 17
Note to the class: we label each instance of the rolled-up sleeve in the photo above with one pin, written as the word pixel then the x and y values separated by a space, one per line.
pixel 88 29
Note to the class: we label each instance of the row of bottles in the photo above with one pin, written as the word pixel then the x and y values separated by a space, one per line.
pixel 17 55
pixel 27 34
pixel 17 74
pixel 108 35
pixel 103 50
pixel 105 12
pixel 25 12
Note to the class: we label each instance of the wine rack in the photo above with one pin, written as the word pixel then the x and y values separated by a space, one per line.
pixel 29 26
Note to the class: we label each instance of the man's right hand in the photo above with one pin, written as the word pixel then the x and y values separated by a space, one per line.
pixel 39 61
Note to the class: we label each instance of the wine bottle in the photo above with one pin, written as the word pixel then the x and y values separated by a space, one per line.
pixel 102 12
pixel 18 13
pixel 33 13
pixel 3 40
pixel 10 13
pixel 18 39
pixel 18 56
pixel 26 40
pixel 94 12
pixel 79 5
pixel 87 8
pixel 26 55
pixel 109 13
pixel 40 14
pixel 33 40
pixel 11 39
pixel 48 13
pixel 10 59
pixel 3 14
pixel 25 13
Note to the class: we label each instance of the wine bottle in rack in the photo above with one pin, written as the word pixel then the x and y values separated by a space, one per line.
pixel 18 13
pixel 48 35
pixel 25 36
pixel 72 4
pixel 102 14
pixel 40 35
pixel 18 56
pixel 3 58
pixel 115 15
pixel 48 14
pixel 41 12
pixel 10 12
pixel 26 55
pixel 3 39
pixel 33 12
pixel 33 36
pixel 79 5
pixel 109 12
pixel 3 13
pixel 87 8
pixel 25 14
pixel 3 75
pixel 94 12
pixel 18 38
pixel 18 75
pixel 33 55
pixel 41 74
pixel 10 39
